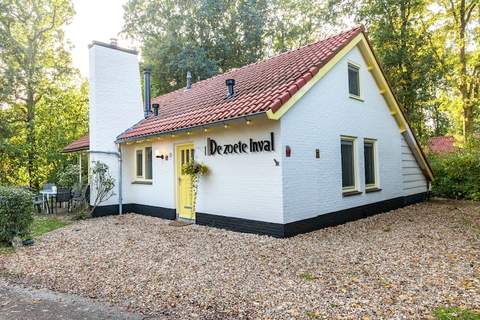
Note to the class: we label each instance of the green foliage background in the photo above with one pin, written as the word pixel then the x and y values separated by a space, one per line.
pixel 419 44
pixel 430 50
pixel 43 100
pixel 457 175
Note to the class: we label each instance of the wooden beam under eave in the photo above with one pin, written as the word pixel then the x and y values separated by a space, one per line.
pixel 382 92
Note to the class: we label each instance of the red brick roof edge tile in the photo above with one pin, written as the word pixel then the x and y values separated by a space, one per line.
pixel 78 145
pixel 261 86
pixel 442 144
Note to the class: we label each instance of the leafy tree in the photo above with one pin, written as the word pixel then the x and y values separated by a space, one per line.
pixel 213 36
pixel 32 58
pixel 294 23
pixel 9 152
pixel 204 37
pixel 61 117
pixel 458 29
pixel 404 45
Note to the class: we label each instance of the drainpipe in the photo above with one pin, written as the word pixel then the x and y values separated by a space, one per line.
pixel 119 157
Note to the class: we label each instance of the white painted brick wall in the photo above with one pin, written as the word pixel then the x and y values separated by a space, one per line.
pixel 314 186
pixel 245 186
pixel 115 102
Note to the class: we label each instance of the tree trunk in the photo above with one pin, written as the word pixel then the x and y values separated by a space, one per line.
pixel 467 108
pixel 31 141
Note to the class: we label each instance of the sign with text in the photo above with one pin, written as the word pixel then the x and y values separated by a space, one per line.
pixel 214 148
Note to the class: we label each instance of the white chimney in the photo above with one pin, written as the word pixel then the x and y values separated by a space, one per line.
pixel 115 100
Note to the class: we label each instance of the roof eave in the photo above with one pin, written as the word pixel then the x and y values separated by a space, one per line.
pixel 175 131
pixel 75 149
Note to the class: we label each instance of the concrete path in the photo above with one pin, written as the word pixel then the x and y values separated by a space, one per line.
pixel 18 303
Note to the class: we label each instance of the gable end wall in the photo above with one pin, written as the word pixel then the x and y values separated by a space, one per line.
pixel 312 187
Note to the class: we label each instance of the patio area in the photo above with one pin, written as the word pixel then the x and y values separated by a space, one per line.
pixel 402 264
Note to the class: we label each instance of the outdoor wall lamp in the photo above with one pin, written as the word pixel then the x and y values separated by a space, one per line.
pixel 159 155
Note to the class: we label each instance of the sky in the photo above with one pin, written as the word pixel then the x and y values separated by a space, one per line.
pixel 98 20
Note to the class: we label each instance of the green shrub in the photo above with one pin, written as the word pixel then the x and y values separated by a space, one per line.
pixel 68 177
pixel 16 209
pixel 457 175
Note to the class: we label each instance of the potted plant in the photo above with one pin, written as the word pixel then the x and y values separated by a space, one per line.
pixel 194 170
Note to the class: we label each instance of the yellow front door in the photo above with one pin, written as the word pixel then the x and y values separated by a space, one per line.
pixel 184 154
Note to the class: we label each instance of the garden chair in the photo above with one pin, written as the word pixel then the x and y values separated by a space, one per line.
pixel 39 202
pixel 79 197
pixel 64 195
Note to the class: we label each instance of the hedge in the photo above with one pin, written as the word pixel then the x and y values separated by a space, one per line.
pixel 457 175
pixel 16 210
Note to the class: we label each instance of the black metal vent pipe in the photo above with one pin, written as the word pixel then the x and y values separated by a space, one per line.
pixel 146 89
pixel 230 90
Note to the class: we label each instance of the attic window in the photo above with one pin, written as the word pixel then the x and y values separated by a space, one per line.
pixel 354 80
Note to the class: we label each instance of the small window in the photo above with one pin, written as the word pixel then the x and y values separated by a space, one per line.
pixel 139 163
pixel 370 165
pixel 143 163
pixel 354 80
pixel 148 163
pixel 348 164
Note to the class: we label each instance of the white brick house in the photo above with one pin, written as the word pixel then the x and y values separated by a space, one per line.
pixel 335 145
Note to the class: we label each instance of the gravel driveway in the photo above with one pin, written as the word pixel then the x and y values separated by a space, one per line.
pixel 401 264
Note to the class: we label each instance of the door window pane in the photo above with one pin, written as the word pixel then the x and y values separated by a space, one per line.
pixel 369 152
pixel 353 80
pixel 348 165
pixel 139 163
pixel 148 163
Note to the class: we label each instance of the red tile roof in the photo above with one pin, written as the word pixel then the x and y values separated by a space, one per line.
pixel 78 145
pixel 260 86
pixel 442 144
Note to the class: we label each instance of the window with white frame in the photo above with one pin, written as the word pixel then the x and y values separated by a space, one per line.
pixel 349 164
pixel 148 163
pixel 370 155
pixel 139 163
pixel 354 80
pixel 143 163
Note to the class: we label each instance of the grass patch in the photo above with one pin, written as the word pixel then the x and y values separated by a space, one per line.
pixel 455 313
pixel 42 225
pixel 5 249
pixel 307 276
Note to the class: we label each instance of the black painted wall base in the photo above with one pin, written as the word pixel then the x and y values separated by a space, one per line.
pixel 322 221
pixel 159 212
pixel 240 224
pixel 277 230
